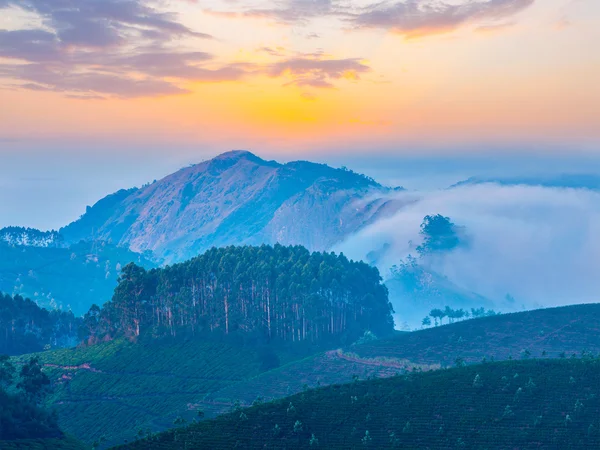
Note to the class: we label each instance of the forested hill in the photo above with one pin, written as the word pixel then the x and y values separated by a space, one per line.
pixel 27 328
pixel 236 198
pixel 271 293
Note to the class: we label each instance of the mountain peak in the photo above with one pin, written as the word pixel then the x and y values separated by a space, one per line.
pixel 235 154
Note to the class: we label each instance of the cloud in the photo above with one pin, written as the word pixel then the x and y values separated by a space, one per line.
pixel 90 49
pixel 415 18
pixel 411 18
pixel 315 70
pixel 541 245
pixel 295 11
pixel 127 49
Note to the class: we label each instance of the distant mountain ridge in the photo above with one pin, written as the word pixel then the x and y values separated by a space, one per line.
pixel 236 198
pixel 566 181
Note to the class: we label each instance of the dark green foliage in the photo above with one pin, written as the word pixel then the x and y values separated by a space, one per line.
pixel 64 278
pixel 269 293
pixel 20 415
pixel 439 235
pixel 436 410
pixel 22 419
pixel 34 383
pixel 27 328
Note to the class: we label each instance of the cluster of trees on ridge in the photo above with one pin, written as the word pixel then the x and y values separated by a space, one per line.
pixel 21 416
pixel 455 314
pixel 27 328
pixel 274 292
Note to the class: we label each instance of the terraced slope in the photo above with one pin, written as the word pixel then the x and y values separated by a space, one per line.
pixel 549 404
pixel 65 443
pixel 113 390
pixel 547 333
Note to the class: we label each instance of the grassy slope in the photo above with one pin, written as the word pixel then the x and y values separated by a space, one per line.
pixel 65 443
pixel 127 387
pixel 570 330
pixel 516 404
pixel 116 388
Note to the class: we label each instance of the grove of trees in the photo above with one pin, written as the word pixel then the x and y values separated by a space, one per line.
pixel 277 293
pixel 438 315
pixel 27 328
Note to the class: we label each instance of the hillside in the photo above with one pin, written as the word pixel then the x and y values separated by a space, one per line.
pixel 518 405
pixel 549 333
pixel 117 388
pixel 235 198
pixel 62 277
pixel 112 390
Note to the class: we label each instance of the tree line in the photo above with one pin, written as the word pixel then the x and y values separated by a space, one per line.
pixel 274 292
pixel 438 314
pixel 27 328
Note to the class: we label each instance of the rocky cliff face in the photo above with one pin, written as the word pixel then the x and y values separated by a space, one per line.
pixel 236 198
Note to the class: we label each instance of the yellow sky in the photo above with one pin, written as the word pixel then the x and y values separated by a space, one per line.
pixel 531 76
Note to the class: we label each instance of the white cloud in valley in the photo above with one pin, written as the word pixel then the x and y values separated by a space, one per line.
pixel 540 245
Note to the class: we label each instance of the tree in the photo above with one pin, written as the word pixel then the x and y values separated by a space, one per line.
pixel 34 383
pixel 426 322
pixel 437 314
pixel 7 371
pixel 298 426
pixel 439 235
pixel 366 440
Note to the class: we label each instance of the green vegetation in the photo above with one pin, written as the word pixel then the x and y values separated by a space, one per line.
pixel 27 328
pixel 114 390
pixel 543 333
pixel 518 404
pixel 68 278
pixel 64 443
pixel 283 294
pixel 21 417
pixel 455 314
pixel 120 388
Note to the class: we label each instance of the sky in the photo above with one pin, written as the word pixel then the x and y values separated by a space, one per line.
pixel 97 95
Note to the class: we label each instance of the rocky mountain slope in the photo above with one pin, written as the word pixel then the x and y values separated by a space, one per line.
pixel 236 198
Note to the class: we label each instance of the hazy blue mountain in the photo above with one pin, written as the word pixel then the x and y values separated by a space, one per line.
pixel 73 277
pixel 573 181
pixel 236 198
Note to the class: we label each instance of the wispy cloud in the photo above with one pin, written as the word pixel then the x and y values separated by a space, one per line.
pixel 411 18
pixel 415 18
pixel 318 71
pixel 125 48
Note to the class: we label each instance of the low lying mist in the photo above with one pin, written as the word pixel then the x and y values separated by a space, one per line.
pixel 539 245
